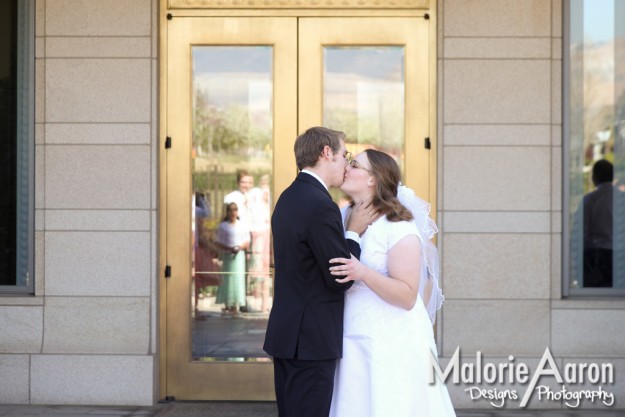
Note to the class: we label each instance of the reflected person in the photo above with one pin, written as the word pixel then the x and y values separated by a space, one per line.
pixel 233 237
pixel 598 227
pixel 242 197
pixel 203 250
pixel 259 259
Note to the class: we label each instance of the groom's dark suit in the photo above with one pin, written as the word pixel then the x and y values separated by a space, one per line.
pixel 305 329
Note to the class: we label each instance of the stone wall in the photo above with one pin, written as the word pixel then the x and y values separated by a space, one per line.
pixel 500 191
pixel 89 334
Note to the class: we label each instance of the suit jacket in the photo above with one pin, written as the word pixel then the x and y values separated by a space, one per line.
pixel 306 320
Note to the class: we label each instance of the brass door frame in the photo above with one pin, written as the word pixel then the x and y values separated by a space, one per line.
pixel 185 379
pixel 283 171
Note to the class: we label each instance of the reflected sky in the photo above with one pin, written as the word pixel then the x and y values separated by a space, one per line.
pixel 234 75
pixel 383 63
pixel 218 59
pixel 599 20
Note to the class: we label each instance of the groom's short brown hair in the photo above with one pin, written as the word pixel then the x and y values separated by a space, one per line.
pixel 309 145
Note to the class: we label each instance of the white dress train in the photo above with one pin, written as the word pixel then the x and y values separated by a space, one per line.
pixel 386 349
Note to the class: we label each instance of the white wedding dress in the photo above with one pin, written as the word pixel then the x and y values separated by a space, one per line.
pixel 386 349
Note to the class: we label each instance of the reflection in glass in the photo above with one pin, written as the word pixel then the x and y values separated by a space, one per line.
pixel 16 145
pixel 232 159
pixel 597 137
pixel 9 143
pixel 363 95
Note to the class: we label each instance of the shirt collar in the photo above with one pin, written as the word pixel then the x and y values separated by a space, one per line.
pixel 312 174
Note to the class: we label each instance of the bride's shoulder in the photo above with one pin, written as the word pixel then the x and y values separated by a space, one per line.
pixel 401 228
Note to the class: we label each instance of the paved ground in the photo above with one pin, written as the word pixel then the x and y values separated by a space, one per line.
pixel 248 409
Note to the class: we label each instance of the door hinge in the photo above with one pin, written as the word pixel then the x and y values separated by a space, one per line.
pixel 428 144
pixel 167 271
pixel 168 142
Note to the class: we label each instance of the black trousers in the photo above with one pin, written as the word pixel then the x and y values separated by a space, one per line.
pixel 597 267
pixel 304 387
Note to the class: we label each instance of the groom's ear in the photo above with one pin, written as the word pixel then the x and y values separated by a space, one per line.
pixel 326 153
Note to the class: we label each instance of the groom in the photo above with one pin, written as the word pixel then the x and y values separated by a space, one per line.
pixel 305 329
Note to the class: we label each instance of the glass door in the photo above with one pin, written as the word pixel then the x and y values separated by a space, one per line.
pixel 369 77
pixel 238 91
pixel 230 116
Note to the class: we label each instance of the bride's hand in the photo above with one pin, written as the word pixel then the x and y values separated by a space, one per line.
pixel 350 269
pixel 361 216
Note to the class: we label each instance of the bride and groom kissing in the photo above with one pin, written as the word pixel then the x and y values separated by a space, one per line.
pixel 355 290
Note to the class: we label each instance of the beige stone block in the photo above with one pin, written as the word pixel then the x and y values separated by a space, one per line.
pixel 442 140
pixel 155 28
pixel 98 47
pixel 556 48
pixel 496 327
pixel 497 91
pixel 40 133
pixel 556 178
pixel 14 381
pixel 40 97
pixel 557 14
pixel 39 220
pixel 497 18
pixel 556 267
pixel 98 90
pixel 78 325
pixel 40 165
pixel 556 91
pixel 98 133
pixel 473 266
pixel 496 222
pixel 497 48
pixel 497 178
pixel 586 332
pixel 21 328
pixel 556 222
pixel 97 177
pixel 98 263
pixel 40 251
pixel 40 17
pixel 21 300
pixel 98 18
pixel 556 135
pixel 40 47
pixel 91 379
pixel 155 178
pixel 497 135
pixel 589 303
pixel 101 220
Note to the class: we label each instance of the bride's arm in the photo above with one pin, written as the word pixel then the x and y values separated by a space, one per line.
pixel 404 266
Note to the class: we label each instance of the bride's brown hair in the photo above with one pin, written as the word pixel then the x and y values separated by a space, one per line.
pixel 386 172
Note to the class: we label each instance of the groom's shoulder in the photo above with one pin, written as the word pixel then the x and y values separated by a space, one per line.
pixel 305 186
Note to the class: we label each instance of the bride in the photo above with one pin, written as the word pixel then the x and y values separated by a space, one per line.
pixel 388 339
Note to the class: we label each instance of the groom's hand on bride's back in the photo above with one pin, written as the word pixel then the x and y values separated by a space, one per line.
pixel 347 269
